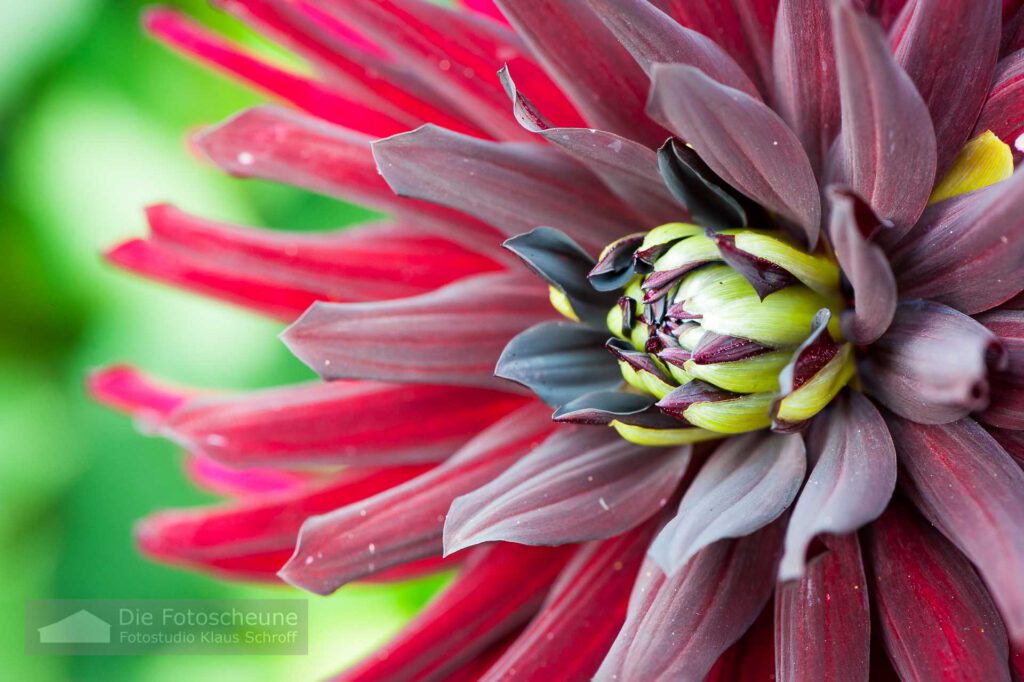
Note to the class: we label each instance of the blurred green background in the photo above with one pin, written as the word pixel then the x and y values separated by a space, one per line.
pixel 93 122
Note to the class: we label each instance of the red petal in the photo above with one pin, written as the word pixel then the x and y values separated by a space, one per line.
pixel 314 97
pixel 933 364
pixel 283 273
pixel 582 615
pixel 677 627
pixel 126 389
pixel 405 523
pixel 822 621
pixel 949 49
pixel 966 251
pixel 454 335
pixel 769 167
pixel 588 64
pixel 499 589
pixel 886 147
pixel 936 617
pixel 221 479
pixel 1003 112
pixel 361 423
pixel 853 477
pixel 752 658
pixel 807 91
pixel 1012 442
pixel 457 53
pixel 284 146
pixel 652 37
pixel 746 484
pixel 1006 408
pixel 514 187
pixel 966 484
pixel 581 484
pixel 259 525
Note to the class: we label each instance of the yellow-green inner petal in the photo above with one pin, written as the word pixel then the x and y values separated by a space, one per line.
pixel 983 161
pixel 662 437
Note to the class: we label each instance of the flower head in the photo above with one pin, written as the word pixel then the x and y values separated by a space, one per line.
pixel 778 319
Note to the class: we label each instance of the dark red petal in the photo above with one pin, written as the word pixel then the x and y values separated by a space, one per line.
pixel 653 37
pixel 1003 112
pixel 259 524
pixel 966 251
pixel 677 627
pixel 933 364
pixel 559 361
pixel 583 483
pixel 853 477
pixel 866 267
pixel 752 657
pixel 588 64
pixel 450 336
pixel 823 621
pixel 570 636
pixel 1011 440
pixel 806 87
pixel 404 523
pixel 1006 407
pixel 455 52
pixel 1013 34
pixel 358 423
pixel 497 591
pixel 514 187
pixel 628 168
pixel 973 491
pixel 743 27
pixel 746 484
pixel 770 167
pixel 314 97
pixel 886 147
pixel 949 49
pixel 936 618
pixel 283 273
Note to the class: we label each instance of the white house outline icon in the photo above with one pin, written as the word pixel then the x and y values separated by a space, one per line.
pixel 81 627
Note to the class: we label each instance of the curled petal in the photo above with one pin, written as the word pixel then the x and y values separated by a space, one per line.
pixel 886 146
pixel 967 251
pixel 823 620
pixel 949 49
pixel 677 626
pixel 746 484
pixel 559 362
pixel 477 177
pixel 973 491
pixel 586 604
pixel 498 591
pixel 933 364
pixel 450 336
pixel 588 63
pixel 404 523
pixel 218 478
pixel 770 167
pixel 653 37
pixel 581 484
pixel 1006 407
pixel 936 618
pixel 867 268
pixel 806 87
pixel 853 478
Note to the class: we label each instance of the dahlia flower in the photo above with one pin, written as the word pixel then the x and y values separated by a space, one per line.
pixel 755 405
